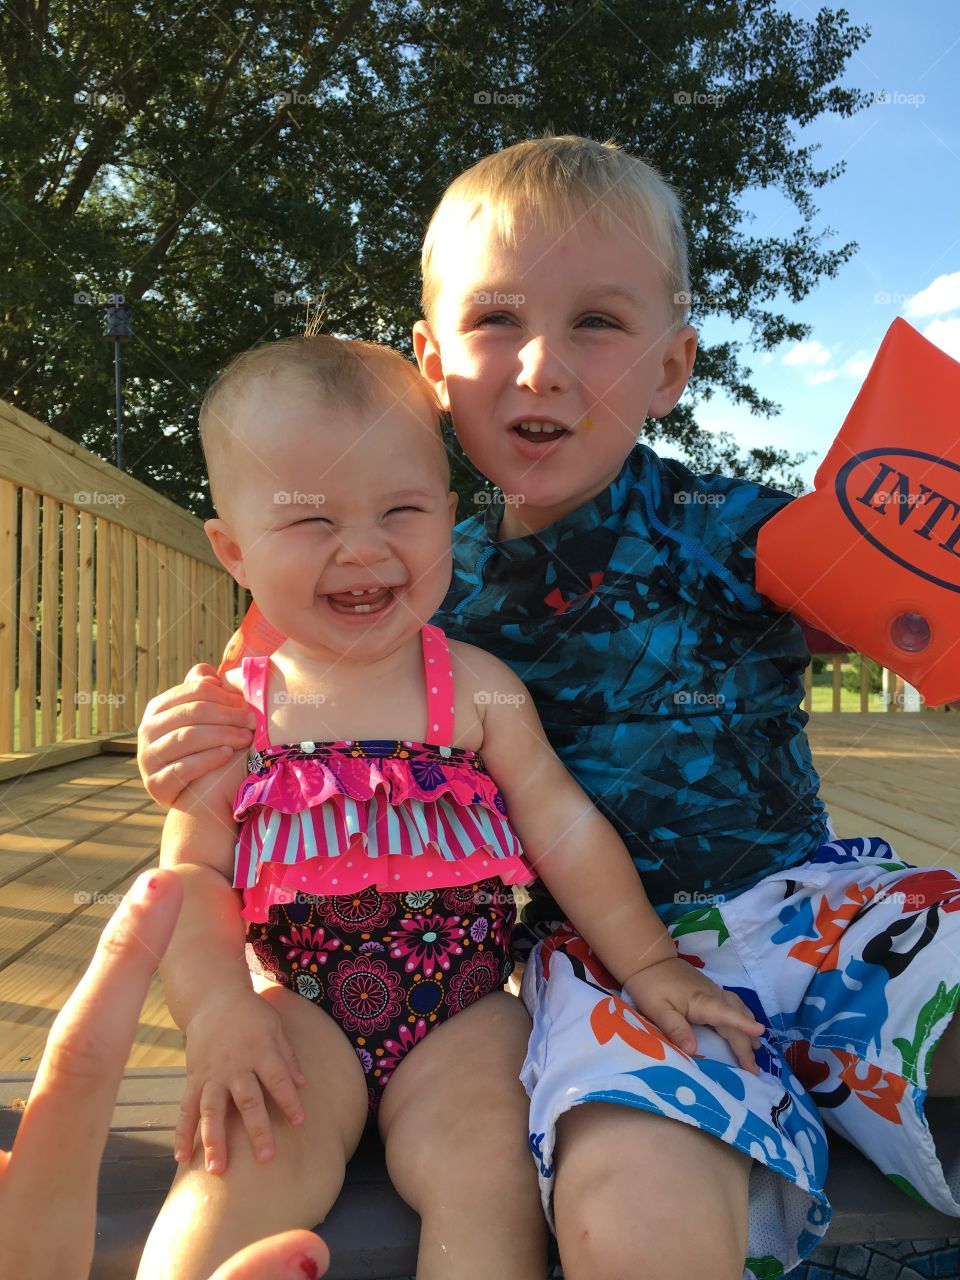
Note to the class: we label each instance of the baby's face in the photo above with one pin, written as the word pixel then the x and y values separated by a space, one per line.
pixel 328 500
pixel 572 334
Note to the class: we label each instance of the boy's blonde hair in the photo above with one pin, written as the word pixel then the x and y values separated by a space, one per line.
pixel 562 179
pixel 344 371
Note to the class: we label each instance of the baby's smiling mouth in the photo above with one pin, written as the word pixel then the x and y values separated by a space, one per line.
pixel 361 601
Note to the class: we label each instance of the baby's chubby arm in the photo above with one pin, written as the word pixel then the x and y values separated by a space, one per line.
pixel 190 729
pixel 236 1046
pixel 587 868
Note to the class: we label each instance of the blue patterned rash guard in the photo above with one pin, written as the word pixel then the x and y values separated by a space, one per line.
pixel 667 686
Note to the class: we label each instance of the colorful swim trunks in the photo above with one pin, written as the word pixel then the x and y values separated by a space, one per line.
pixel 852 962
pixel 388 967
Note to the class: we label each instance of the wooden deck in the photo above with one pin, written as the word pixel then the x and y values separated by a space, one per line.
pixel 73 838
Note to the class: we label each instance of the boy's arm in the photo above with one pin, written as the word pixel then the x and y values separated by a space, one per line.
pixel 190 729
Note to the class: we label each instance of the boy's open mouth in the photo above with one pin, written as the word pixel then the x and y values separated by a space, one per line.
pixel 538 432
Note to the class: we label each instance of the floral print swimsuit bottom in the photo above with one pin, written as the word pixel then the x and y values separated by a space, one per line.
pixel 376 874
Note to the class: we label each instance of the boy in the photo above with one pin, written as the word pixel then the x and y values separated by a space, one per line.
pixel 619 586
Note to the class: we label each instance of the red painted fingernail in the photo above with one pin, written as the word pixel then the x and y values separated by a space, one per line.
pixel 144 887
pixel 309 1268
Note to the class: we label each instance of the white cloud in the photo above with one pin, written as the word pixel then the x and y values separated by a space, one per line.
pixel 858 366
pixel 855 366
pixel 812 352
pixel 945 334
pixel 943 295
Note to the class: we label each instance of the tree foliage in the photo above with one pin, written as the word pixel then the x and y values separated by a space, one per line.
pixel 221 164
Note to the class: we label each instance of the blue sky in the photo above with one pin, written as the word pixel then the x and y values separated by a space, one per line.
pixel 899 199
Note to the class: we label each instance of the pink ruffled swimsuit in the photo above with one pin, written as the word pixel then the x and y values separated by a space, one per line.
pixel 374 872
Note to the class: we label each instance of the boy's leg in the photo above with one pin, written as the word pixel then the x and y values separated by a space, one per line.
pixel 944 1078
pixel 454 1123
pixel 864 952
pixel 659 1148
pixel 206 1218
pixel 683 1193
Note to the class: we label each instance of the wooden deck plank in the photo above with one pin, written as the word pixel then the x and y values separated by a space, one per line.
pixel 32 796
pixel 35 988
pixel 55 834
pixel 45 896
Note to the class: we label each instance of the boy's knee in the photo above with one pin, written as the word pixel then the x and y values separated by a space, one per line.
pixel 624 1186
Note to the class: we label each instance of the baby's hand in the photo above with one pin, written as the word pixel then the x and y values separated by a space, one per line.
pixel 236 1048
pixel 673 994
pixel 190 729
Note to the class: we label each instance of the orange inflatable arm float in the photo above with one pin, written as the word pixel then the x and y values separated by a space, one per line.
pixel 873 554
pixel 254 638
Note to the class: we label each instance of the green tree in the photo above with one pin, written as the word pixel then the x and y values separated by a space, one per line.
pixel 223 164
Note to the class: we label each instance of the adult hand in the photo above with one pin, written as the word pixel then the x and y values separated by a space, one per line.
pixel 48 1183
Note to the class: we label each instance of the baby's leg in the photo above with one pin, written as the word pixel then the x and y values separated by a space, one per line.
pixel 207 1218
pixel 641 1195
pixel 454 1122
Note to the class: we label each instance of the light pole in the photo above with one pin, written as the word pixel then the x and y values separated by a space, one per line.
pixel 117 327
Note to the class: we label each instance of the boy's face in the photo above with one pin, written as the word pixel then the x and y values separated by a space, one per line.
pixel 573 331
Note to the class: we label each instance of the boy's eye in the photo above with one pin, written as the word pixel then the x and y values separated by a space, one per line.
pixel 493 318
pixel 393 509
pixel 593 320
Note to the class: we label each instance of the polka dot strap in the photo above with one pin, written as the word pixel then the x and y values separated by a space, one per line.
pixel 254 671
pixel 439 674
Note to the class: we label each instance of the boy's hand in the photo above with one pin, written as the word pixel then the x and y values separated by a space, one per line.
pixel 236 1049
pixel 189 730
pixel 673 994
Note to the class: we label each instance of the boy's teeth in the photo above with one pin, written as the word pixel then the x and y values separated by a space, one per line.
pixel 540 428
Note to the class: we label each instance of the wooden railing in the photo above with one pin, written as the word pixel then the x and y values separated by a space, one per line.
pixel 895 696
pixel 108 592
